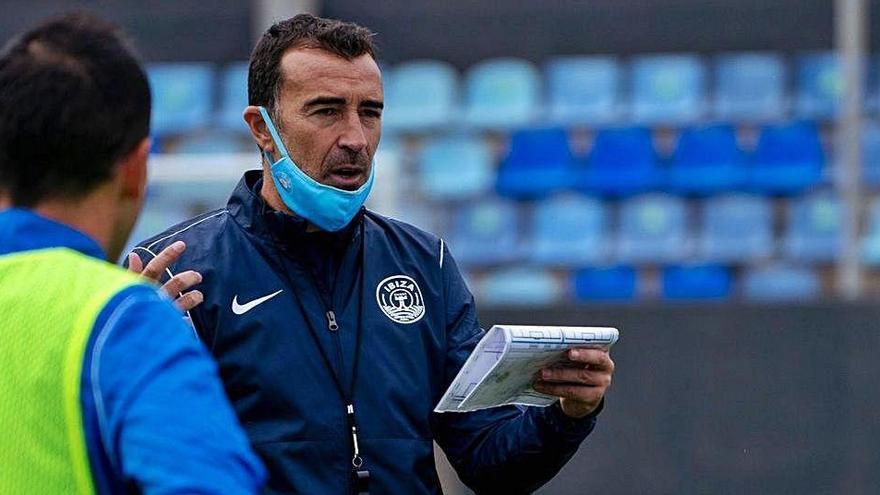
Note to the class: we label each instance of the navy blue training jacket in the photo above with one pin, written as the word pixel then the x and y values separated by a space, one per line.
pixel 266 319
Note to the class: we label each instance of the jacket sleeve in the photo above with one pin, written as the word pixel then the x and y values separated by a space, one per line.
pixel 164 420
pixel 509 449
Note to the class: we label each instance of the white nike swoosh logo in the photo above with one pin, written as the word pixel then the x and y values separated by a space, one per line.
pixel 241 309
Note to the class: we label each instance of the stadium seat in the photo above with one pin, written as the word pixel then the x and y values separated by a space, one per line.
pixel 736 228
pixel 519 287
pixel 617 283
pixel 486 233
pixel 653 229
pixel 209 142
pixel 538 164
pixel 569 231
pixel 420 95
pixel 702 282
pixel 780 282
pixel 871 153
pixel 233 97
pixel 583 90
pixel 871 239
pixel 707 160
pixel 502 93
pixel 182 96
pixel 819 85
pixel 788 159
pixel 455 168
pixel 750 87
pixel 814 228
pixel 668 89
pixel 622 162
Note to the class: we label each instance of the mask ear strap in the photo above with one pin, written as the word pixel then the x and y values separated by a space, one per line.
pixel 275 136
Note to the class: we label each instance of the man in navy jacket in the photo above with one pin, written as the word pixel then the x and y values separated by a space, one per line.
pixel 337 330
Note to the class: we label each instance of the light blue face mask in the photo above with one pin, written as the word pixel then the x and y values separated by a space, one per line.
pixel 326 207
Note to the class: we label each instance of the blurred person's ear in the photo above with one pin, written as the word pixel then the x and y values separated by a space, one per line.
pixel 132 170
pixel 258 128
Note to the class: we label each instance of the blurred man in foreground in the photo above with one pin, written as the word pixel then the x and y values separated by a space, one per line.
pixel 103 387
pixel 336 329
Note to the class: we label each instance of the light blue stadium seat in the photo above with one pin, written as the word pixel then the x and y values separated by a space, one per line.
pixel 486 233
pixel 621 162
pixel 653 229
pixel 182 96
pixel 871 239
pixel 420 95
pixel 788 159
pixel 455 168
pixel 695 283
pixel 502 93
pixel 233 97
pixel 606 284
pixel 569 231
pixel 668 88
pixel 584 90
pixel 538 164
pixel 213 142
pixel 707 160
pixel 736 228
pixel 519 287
pixel 750 87
pixel 813 229
pixel 819 85
pixel 871 153
pixel 780 282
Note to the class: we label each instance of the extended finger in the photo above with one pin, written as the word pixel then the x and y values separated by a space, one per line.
pixel 181 282
pixel 135 264
pixel 576 375
pixel 189 300
pixel 574 392
pixel 158 265
pixel 597 359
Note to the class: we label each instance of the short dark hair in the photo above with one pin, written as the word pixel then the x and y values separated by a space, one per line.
pixel 345 39
pixel 73 101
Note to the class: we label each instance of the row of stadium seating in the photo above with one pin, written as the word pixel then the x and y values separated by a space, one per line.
pixel 575 231
pixel 511 93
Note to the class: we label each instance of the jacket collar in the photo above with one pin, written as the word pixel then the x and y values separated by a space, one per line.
pixel 251 211
pixel 24 230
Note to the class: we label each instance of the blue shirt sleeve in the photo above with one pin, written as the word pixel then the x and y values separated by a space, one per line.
pixel 507 449
pixel 163 421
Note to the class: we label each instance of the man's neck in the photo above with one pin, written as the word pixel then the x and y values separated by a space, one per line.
pixel 93 216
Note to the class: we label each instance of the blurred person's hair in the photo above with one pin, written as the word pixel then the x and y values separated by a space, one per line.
pixel 344 39
pixel 73 101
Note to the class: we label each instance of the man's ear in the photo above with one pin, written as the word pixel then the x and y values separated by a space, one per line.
pixel 258 128
pixel 132 171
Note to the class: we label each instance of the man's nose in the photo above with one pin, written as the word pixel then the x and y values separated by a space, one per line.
pixel 353 136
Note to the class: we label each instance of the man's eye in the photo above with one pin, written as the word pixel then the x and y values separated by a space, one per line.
pixel 326 112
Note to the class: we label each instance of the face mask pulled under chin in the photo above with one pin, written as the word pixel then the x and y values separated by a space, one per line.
pixel 325 207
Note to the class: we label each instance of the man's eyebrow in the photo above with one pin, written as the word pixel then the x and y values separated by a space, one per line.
pixel 373 104
pixel 324 100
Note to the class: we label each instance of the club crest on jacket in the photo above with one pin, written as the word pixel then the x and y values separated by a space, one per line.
pixel 401 299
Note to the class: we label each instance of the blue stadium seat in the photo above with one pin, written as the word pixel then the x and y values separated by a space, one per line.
pixel 871 153
pixel 653 229
pixel 486 233
pixel 736 229
pixel 788 159
pixel 622 162
pixel 502 93
pixel 538 164
pixel 519 287
pixel 420 95
pixel 702 282
pixel 814 229
pixel 871 239
pixel 819 85
pixel 749 87
pixel 668 88
pixel 569 231
pixel 233 97
pixel 584 90
pixel 455 167
pixel 182 96
pixel 707 160
pixel 780 282
pixel 617 283
pixel 211 142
